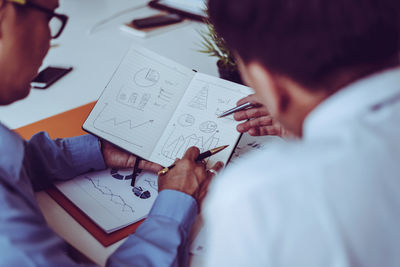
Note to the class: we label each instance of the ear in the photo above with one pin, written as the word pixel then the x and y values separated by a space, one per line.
pixel 266 85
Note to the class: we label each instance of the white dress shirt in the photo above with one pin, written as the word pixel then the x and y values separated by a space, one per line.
pixel 330 199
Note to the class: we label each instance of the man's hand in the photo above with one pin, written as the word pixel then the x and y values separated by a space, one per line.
pixel 189 176
pixel 258 120
pixel 117 158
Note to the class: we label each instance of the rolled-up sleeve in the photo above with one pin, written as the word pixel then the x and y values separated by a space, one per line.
pixel 47 160
pixel 163 238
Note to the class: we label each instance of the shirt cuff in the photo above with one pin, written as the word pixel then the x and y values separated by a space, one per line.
pixel 177 206
pixel 85 153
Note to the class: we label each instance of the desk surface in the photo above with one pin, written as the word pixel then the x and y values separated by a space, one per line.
pixel 94 45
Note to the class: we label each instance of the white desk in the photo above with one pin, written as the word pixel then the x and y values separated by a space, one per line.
pixel 94 58
pixel 96 55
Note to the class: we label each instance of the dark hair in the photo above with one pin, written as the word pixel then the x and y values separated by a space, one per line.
pixel 308 40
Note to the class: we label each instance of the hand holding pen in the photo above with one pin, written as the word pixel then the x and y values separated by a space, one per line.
pixel 200 157
pixel 258 121
pixel 189 175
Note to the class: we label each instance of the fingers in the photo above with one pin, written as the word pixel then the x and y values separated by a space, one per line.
pixel 265 130
pixel 251 113
pixel 218 166
pixel 203 189
pixel 254 123
pixel 215 169
pixel 130 162
pixel 192 153
pixel 149 166
pixel 250 98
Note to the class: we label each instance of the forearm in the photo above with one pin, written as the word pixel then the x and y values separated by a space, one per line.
pixel 163 238
pixel 47 160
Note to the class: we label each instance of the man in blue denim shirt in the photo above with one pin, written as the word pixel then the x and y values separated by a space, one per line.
pixel 26 166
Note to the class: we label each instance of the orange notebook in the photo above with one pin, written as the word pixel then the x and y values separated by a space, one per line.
pixel 68 124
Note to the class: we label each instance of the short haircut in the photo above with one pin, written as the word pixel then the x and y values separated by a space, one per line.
pixel 308 40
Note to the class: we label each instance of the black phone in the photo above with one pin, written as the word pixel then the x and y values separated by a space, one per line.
pixel 157 20
pixel 48 76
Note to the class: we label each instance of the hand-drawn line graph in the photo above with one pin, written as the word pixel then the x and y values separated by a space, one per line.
pixel 152 183
pixel 133 99
pixel 146 77
pixel 208 126
pixel 176 146
pixel 186 120
pixel 114 122
pixel 114 198
pixel 199 101
pixel 115 131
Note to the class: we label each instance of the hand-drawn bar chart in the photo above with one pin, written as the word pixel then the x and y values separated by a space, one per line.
pixel 177 144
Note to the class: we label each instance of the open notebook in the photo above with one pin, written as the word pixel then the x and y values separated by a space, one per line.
pixel 108 198
pixel 156 108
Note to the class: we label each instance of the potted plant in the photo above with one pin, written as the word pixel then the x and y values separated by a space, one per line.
pixel 215 46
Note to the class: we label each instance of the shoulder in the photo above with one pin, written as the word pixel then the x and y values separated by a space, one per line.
pixel 276 164
pixel 12 152
pixel 332 170
pixel 300 198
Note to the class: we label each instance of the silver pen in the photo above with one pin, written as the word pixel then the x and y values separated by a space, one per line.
pixel 244 106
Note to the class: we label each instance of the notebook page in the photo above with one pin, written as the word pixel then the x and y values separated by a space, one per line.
pixel 108 198
pixel 139 100
pixel 195 121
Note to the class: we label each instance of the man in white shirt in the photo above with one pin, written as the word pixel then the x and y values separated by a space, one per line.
pixel 328 71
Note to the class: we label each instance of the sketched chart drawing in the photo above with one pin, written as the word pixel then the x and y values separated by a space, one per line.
pixel 199 101
pixel 163 98
pixel 146 77
pixel 176 145
pixel 129 124
pixel 208 126
pixel 165 95
pixel 152 183
pixel 121 175
pixel 118 127
pixel 112 197
pixel 131 99
pixel 141 192
pixel 186 120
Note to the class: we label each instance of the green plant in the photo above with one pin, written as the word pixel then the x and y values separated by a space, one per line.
pixel 215 46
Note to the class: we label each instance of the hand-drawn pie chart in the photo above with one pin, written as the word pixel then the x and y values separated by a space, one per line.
pixel 126 174
pixel 208 127
pixel 146 77
pixel 186 120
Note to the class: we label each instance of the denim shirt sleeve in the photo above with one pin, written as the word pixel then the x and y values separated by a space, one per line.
pixel 163 238
pixel 48 160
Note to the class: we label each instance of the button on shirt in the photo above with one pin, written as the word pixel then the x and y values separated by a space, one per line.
pixel 26 239
pixel 330 199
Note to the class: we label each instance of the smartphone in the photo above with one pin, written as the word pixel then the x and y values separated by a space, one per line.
pixel 157 20
pixel 48 76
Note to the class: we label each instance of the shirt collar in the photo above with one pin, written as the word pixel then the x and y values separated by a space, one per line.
pixel 360 96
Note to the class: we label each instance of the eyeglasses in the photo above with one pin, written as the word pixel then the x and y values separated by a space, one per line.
pixel 57 21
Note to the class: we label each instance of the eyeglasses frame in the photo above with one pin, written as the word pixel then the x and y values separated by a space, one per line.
pixel 48 11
